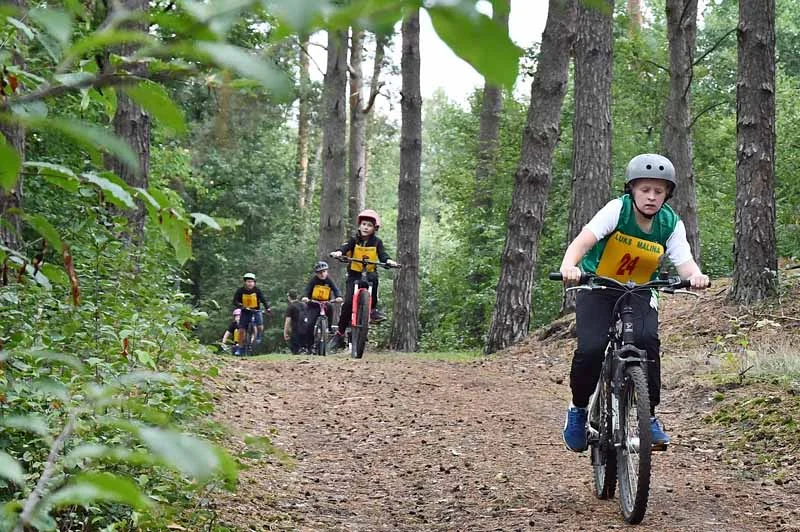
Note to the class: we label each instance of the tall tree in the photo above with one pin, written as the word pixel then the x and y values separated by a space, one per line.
pixel 511 316
pixel 754 252
pixel 132 125
pixel 591 148
pixel 334 151
pixel 405 325
pixel 15 136
pixel 303 121
pixel 677 137
pixel 489 133
pixel 359 111
pixel 634 16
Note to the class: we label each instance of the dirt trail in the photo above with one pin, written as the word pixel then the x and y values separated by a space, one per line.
pixel 395 442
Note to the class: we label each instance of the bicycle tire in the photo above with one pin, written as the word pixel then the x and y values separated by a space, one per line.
pixel 635 453
pixel 361 329
pixel 321 336
pixel 603 453
pixel 249 338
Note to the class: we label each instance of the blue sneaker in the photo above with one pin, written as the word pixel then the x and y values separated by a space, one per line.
pixel 238 352
pixel 660 438
pixel 575 429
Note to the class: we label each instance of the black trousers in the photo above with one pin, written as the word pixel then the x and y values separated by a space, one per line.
pixel 593 318
pixel 347 306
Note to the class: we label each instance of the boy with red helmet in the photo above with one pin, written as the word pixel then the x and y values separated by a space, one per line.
pixel 364 244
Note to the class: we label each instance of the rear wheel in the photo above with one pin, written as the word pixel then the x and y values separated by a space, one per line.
pixel 321 336
pixel 604 455
pixel 360 330
pixel 634 455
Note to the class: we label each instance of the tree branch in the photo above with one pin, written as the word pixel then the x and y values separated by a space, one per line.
pixel 704 111
pixel 713 46
pixel 374 92
pixel 49 469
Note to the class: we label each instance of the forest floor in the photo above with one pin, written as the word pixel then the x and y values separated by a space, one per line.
pixel 408 442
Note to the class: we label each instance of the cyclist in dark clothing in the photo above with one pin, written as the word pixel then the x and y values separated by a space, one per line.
pixel 249 298
pixel 365 244
pixel 319 288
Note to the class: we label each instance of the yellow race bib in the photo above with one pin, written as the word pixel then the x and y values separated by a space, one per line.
pixel 363 252
pixel 249 300
pixel 627 258
pixel 321 292
pixel 236 335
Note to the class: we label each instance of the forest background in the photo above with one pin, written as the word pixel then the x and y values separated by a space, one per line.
pixel 127 291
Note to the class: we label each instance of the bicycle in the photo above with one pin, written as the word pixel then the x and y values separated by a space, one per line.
pixel 251 332
pixel 319 344
pixel 361 306
pixel 618 425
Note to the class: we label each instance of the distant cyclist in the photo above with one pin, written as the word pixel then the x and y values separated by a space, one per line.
pixel 625 240
pixel 249 299
pixel 232 331
pixel 364 244
pixel 319 288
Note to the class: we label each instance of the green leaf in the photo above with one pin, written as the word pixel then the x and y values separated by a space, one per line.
pixel 9 170
pixel 35 109
pixel 60 358
pixel 479 41
pixel 154 99
pixel 199 218
pixel 21 26
pixel 177 232
pixel 56 22
pixel 190 455
pixel 86 134
pixel 11 469
pixel 301 15
pixel 55 274
pixel 56 174
pixel 44 228
pixel 91 488
pixel 107 39
pixel 34 424
pixel 115 191
pixel 152 205
pixel 246 65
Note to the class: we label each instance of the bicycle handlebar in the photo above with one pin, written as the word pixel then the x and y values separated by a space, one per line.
pixel 673 283
pixel 344 258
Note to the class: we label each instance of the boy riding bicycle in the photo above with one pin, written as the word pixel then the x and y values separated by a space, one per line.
pixel 625 241
pixel 320 288
pixel 363 245
pixel 249 298
pixel 232 331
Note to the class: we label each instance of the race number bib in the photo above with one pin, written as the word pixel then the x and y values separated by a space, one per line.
pixel 249 300
pixel 627 258
pixel 364 252
pixel 321 292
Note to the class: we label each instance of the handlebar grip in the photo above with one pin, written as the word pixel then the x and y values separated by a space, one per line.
pixel 556 276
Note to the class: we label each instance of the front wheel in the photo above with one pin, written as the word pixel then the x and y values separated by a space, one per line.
pixel 321 336
pixel 250 338
pixel 635 452
pixel 360 330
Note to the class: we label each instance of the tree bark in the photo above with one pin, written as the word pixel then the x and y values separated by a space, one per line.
pixel 754 248
pixel 677 137
pixel 634 16
pixel 10 236
pixel 303 122
pixel 511 316
pixel 405 325
pixel 358 129
pixel 132 125
pixel 332 200
pixel 489 133
pixel 591 129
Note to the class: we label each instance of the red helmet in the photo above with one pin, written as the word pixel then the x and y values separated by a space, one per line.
pixel 369 214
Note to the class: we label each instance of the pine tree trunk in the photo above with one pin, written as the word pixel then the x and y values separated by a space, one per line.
pixel 10 235
pixel 303 123
pixel 334 151
pixel 754 252
pixel 634 16
pixel 677 137
pixel 358 129
pixel 591 149
pixel 511 316
pixel 405 325
pixel 489 134
pixel 132 125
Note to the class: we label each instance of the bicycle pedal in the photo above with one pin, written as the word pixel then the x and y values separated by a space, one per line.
pixel 660 446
